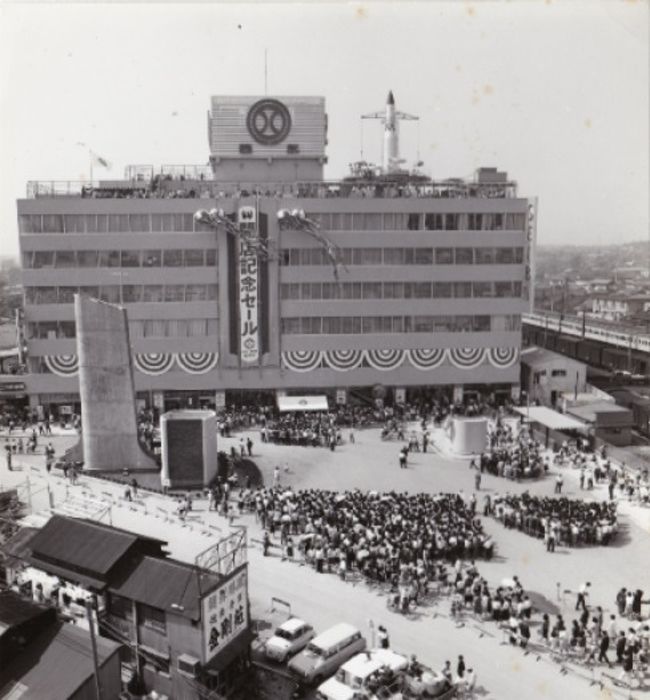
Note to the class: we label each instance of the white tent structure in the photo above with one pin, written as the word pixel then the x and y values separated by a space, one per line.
pixel 302 403
pixel 554 420
pixel 549 419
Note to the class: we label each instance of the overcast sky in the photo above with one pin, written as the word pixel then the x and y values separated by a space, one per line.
pixel 555 92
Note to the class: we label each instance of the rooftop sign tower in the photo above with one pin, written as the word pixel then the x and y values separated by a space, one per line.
pixel 271 139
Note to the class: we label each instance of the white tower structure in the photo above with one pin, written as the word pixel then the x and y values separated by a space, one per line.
pixel 390 119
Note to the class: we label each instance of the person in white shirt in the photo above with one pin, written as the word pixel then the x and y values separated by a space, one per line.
pixel 612 627
pixel 583 593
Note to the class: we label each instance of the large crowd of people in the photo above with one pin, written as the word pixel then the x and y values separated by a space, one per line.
pixel 416 543
pixel 513 454
pixel 563 521
pixel 392 538
pixel 197 185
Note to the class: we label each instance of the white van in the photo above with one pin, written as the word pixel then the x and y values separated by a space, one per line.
pixel 326 652
pixel 353 676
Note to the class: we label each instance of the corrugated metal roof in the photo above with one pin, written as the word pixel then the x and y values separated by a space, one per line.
pixel 55 664
pixel 535 356
pixel 18 546
pixel 14 610
pixel 82 544
pixel 163 583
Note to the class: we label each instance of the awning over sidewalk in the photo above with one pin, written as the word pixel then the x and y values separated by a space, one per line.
pixel 550 418
pixel 302 403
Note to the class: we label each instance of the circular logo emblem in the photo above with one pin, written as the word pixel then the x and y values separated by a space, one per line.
pixel 268 122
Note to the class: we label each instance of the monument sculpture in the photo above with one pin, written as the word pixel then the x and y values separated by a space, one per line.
pixel 107 389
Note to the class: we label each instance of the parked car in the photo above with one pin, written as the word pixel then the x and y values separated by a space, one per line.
pixel 289 638
pixel 381 674
pixel 326 652
pixel 354 675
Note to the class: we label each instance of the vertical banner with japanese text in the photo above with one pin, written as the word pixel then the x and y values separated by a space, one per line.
pixel 224 614
pixel 249 349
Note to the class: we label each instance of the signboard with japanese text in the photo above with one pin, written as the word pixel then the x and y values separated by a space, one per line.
pixel 400 396
pixel 225 613
pixel 220 399
pixel 248 287
pixel 341 397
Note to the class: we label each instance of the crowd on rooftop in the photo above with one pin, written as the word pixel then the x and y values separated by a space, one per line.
pixel 168 186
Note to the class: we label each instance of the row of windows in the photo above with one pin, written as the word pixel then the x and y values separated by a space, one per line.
pixel 108 223
pixel 314 325
pixel 362 221
pixel 399 290
pixel 417 222
pixel 406 256
pixel 191 257
pixel 554 373
pixel 131 293
pixel 157 328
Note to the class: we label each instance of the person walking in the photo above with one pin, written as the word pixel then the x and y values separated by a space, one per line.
pixel 487 505
pixel 276 477
pixel 460 667
pixel 477 481
pixel 621 645
pixel 583 593
pixel 382 637
pixel 249 447
pixel 603 647
pixel 559 481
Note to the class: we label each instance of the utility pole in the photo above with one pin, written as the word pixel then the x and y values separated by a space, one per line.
pixel 93 642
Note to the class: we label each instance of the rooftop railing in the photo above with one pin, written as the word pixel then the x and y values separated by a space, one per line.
pixel 166 185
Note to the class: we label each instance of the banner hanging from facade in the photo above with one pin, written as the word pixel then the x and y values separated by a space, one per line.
pixel 249 350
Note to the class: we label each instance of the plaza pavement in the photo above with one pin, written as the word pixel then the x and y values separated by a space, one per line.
pixel 503 672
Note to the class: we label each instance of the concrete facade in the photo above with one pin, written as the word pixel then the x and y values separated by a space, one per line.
pixel 109 431
pixel 439 266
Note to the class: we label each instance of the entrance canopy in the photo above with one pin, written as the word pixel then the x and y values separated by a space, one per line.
pixel 302 403
pixel 550 418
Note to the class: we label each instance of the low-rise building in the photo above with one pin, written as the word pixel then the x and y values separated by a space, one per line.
pixel 43 657
pixel 619 306
pixel 546 375
pixel 610 422
pixel 185 627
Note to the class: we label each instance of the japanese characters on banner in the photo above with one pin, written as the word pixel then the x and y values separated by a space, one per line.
pixel 248 287
pixel 341 397
pixel 220 399
pixel 400 396
pixel 225 614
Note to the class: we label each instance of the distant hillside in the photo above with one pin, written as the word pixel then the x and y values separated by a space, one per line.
pixel 591 261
